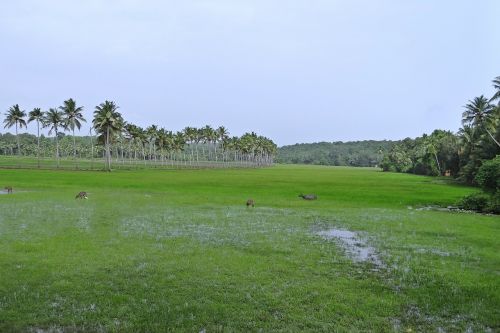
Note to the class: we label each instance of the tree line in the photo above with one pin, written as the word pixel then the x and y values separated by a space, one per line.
pixel 368 153
pixel 114 139
pixel 472 156
pixel 456 154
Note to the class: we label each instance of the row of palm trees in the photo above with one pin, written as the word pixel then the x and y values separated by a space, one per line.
pixel 67 116
pixel 153 145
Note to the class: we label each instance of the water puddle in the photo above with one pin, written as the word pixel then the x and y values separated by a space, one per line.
pixel 434 251
pixel 354 245
pixel 442 209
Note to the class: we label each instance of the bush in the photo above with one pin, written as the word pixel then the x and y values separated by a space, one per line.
pixel 488 175
pixel 475 201
pixel 494 204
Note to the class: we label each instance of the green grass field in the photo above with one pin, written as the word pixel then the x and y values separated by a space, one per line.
pixel 178 250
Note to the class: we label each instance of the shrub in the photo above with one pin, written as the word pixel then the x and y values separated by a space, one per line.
pixel 475 201
pixel 494 204
pixel 488 175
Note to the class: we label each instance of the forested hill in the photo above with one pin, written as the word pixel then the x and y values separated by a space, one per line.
pixel 354 153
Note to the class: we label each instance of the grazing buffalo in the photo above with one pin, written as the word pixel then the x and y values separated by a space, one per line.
pixel 81 195
pixel 250 202
pixel 308 196
pixel 8 189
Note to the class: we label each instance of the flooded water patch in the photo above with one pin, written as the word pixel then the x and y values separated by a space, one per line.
pixel 354 245
pixel 452 209
pixel 436 252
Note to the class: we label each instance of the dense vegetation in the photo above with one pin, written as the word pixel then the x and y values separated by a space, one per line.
pixel 441 153
pixel 459 155
pixel 358 153
pixel 127 143
pixel 177 251
pixel 488 178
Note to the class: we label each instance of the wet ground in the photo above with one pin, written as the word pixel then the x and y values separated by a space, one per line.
pixel 354 245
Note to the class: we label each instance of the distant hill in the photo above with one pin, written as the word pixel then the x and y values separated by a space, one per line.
pixel 354 153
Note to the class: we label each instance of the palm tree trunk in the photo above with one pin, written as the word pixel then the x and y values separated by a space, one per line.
pixel 38 143
pixel 437 162
pixel 91 150
pixel 108 156
pixel 130 152
pixel 57 150
pixel 191 159
pixel 143 153
pixel 498 144
pixel 18 144
pixel 197 156
pixel 121 152
pixel 74 148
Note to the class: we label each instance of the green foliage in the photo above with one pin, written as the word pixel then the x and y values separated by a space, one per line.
pixel 481 202
pixel 461 155
pixel 488 175
pixel 356 153
pixel 494 204
pixel 475 201
pixel 430 155
pixel 397 160
pixel 129 144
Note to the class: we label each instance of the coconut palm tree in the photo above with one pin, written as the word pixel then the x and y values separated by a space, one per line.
pixel 191 133
pixel 54 120
pixel 496 96
pixel 132 133
pixel 496 85
pixel 142 139
pixel 179 142
pixel 152 134
pixel 15 116
pixel 169 144
pixel 37 115
pixel 207 134
pixel 118 136
pixel 91 149
pixel 479 113
pixel 430 148
pixel 222 134
pixel 107 120
pixel 162 139
pixel 73 118
pixel 140 136
pixel 232 145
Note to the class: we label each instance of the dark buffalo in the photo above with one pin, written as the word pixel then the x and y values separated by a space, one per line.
pixel 81 195
pixel 308 196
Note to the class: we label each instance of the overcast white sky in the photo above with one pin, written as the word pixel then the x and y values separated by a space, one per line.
pixel 294 71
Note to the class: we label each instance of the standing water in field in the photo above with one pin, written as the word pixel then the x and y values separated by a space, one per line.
pixel 355 247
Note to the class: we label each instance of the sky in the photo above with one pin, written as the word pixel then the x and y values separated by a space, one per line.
pixel 294 71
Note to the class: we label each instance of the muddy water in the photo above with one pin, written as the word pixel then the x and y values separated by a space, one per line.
pixel 353 244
